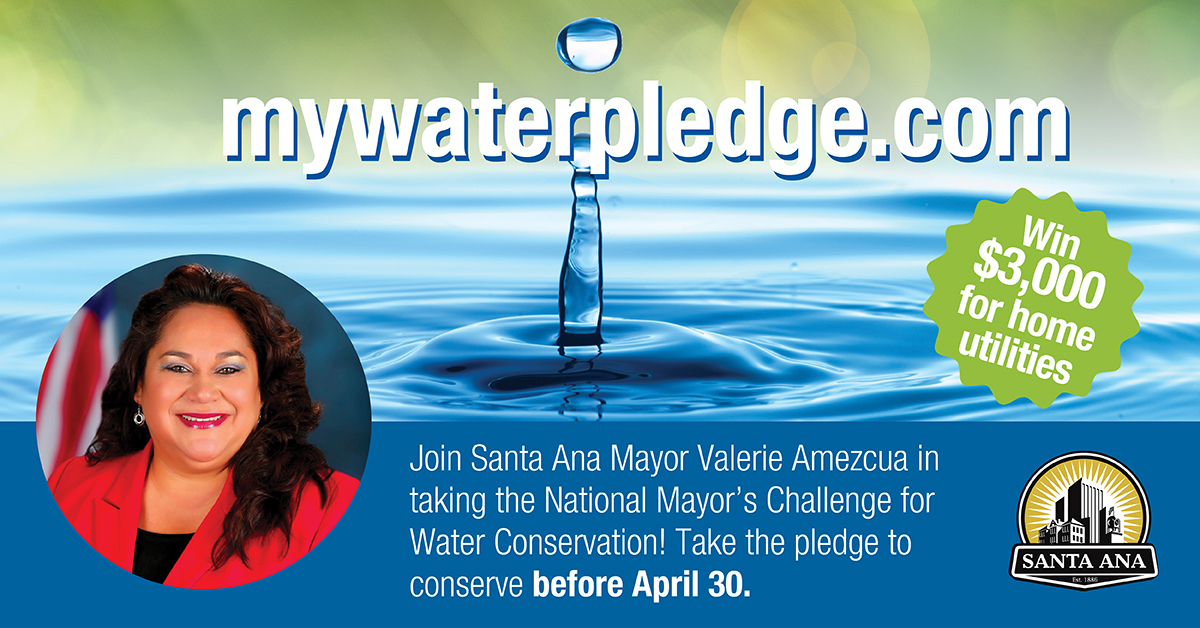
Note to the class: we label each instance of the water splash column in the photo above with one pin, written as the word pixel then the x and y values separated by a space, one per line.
pixel 589 45
pixel 581 282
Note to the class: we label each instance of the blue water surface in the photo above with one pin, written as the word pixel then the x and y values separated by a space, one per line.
pixel 782 300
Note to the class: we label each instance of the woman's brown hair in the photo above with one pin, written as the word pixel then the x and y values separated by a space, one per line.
pixel 276 458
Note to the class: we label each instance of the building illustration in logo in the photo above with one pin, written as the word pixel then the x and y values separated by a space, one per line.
pixel 1080 516
pixel 1084 520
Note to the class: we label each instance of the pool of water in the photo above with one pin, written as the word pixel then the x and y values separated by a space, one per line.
pixel 724 298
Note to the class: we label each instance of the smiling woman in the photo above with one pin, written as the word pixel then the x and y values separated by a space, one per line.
pixel 200 474
pixel 199 393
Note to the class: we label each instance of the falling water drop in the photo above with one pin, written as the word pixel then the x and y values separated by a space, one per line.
pixel 589 45
pixel 581 283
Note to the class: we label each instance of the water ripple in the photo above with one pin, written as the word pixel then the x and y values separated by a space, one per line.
pixel 819 288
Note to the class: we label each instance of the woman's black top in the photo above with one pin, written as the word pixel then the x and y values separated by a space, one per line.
pixel 155 554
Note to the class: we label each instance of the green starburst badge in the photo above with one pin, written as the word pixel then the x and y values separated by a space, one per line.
pixel 1033 298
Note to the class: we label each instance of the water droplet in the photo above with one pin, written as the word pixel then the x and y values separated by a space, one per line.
pixel 581 152
pixel 589 45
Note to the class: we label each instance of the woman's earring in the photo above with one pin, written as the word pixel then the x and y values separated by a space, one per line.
pixel 139 418
pixel 260 413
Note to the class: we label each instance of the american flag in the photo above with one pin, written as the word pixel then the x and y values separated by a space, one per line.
pixel 68 408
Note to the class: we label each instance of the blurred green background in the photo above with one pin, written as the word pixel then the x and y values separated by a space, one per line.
pixel 89 89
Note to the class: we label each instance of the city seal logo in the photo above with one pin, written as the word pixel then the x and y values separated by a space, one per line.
pixel 1084 520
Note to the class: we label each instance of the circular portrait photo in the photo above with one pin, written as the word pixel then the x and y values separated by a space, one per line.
pixel 203 422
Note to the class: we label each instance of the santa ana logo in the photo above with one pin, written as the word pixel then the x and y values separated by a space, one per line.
pixel 1084 520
